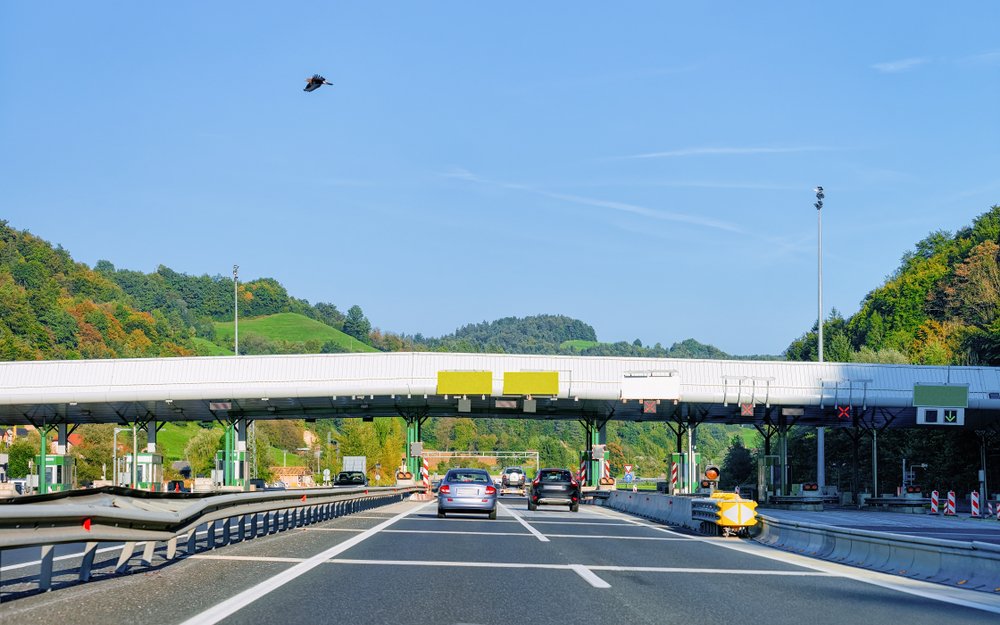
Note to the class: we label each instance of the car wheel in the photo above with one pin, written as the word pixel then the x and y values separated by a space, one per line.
pixel 574 507
pixel 440 514
pixel 493 514
pixel 532 506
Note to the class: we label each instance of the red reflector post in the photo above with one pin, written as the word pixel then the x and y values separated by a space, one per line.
pixel 86 524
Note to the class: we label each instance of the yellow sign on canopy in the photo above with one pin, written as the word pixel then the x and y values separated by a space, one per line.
pixel 465 383
pixel 531 383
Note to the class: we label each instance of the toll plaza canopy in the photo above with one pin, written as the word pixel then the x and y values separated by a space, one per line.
pixel 497 386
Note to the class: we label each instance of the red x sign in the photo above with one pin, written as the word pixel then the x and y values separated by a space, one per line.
pixel 746 410
pixel 843 412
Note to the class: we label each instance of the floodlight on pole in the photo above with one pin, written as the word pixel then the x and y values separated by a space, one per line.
pixel 820 431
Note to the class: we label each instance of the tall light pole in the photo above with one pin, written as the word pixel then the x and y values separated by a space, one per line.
pixel 820 431
pixel 819 255
pixel 236 310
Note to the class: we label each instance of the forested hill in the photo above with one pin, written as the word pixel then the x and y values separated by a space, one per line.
pixel 941 306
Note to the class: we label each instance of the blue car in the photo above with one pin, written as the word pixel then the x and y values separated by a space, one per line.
pixel 467 490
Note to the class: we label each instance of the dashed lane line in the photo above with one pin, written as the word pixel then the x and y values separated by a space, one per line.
pixel 517 516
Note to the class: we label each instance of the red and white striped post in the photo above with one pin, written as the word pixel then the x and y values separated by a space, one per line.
pixel 673 477
pixel 989 508
pixel 950 506
pixel 582 475
pixel 975 504
pixel 607 469
pixel 934 502
pixel 425 474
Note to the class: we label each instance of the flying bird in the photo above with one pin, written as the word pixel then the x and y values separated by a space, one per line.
pixel 315 82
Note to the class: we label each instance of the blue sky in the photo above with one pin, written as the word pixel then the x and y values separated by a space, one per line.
pixel 646 168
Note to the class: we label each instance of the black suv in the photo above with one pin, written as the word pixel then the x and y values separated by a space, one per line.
pixel 555 486
pixel 351 478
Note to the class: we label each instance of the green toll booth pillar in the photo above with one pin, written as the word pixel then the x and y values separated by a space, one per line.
pixel 413 454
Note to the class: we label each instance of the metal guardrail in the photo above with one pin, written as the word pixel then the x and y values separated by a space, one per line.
pixel 120 515
pixel 974 565
pixel 724 513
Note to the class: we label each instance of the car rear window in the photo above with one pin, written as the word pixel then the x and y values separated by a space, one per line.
pixel 468 476
pixel 555 476
pixel 514 470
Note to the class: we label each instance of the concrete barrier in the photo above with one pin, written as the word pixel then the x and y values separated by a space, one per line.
pixel 669 509
pixel 974 565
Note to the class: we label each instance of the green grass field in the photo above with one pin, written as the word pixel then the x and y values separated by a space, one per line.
pixel 208 348
pixel 173 438
pixel 578 345
pixel 291 327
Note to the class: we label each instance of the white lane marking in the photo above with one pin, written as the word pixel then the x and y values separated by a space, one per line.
pixel 614 537
pixel 611 568
pixel 331 529
pixel 537 522
pixel 928 590
pixel 206 556
pixel 517 516
pixel 589 576
pixel 675 569
pixel 457 532
pixel 240 600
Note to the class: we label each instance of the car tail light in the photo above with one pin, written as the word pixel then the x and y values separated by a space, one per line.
pixel 535 483
pixel 490 490
pixel 574 483
pixel 444 488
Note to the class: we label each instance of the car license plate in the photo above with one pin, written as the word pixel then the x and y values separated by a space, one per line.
pixel 467 491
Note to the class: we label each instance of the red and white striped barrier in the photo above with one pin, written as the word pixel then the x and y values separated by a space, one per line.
pixel 950 506
pixel 975 504
pixel 607 469
pixel 673 477
pixel 934 502
pixel 989 508
pixel 425 474
pixel 582 475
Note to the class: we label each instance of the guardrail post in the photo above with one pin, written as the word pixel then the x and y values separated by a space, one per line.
pixel 253 525
pixel 241 532
pixel 171 548
pixel 226 531
pixel 45 575
pixel 127 550
pixel 191 542
pixel 89 551
pixel 210 537
pixel 147 552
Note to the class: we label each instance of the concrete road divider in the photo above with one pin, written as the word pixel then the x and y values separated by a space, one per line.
pixel 974 565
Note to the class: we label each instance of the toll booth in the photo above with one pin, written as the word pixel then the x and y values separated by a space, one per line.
pixel 229 473
pixel 687 475
pixel 148 471
pixel 60 472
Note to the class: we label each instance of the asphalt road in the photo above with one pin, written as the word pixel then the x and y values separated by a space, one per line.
pixel 402 564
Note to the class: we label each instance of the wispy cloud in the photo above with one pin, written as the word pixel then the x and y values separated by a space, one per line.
pixel 892 67
pixel 730 151
pixel 624 207
pixel 991 57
